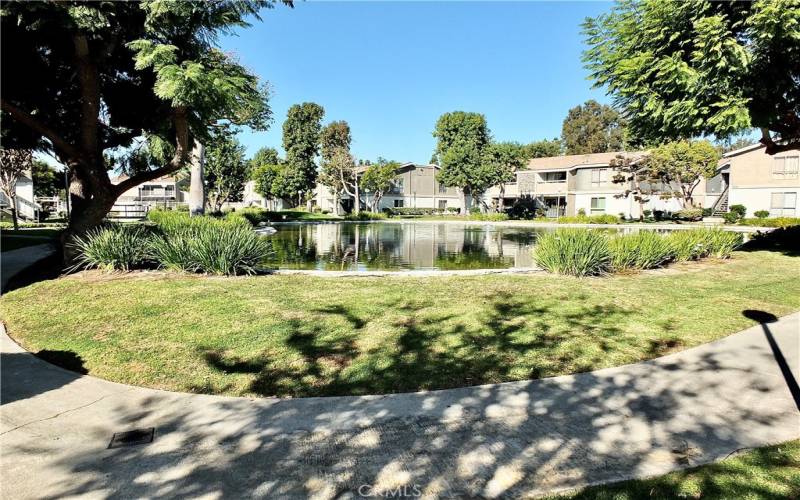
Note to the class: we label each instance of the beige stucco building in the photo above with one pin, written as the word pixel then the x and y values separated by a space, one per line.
pixel 415 187
pixel 752 178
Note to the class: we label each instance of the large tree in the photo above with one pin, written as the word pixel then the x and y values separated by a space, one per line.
pixel 686 69
pixel 98 75
pixel 226 170
pixel 592 127
pixel 462 138
pixel 504 159
pixel 544 148
pixel 684 163
pixel 301 133
pixel 334 139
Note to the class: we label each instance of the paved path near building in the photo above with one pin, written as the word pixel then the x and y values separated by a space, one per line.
pixel 16 261
pixel 503 440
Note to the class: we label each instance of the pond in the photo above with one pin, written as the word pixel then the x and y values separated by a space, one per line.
pixel 401 246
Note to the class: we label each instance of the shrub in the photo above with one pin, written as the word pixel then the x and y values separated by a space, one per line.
pixel 113 247
pixel 740 210
pixel 523 208
pixel 721 243
pixel 573 251
pixel 211 246
pixel 641 250
pixel 689 214
pixel 647 213
pixel 581 212
pixel 366 216
pixel 453 210
pixel 489 217
pixel 708 212
pixel 761 214
pixel 253 215
pixel 773 222
pixel 589 219
pixel 699 243
pixel 400 211
pixel 687 245
pixel 731 217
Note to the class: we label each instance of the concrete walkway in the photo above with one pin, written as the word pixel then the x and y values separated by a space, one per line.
pixel 15 261
pixel 505 440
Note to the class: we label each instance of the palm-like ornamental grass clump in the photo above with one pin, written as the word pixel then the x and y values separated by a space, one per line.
pixel 573 251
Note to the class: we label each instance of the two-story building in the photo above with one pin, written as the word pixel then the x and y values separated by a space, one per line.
pixel 567 185
pixel 164 192
pixel 752 178
pixel 415 186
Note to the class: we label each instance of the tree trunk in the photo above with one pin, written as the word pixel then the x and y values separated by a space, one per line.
pixel 357 205
pixel 336 204
pixel 197 191
pixel 463 196
pixel 13 205
pixel 88 211
pixel 500 202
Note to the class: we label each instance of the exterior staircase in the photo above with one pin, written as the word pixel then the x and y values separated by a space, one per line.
pixel 721 206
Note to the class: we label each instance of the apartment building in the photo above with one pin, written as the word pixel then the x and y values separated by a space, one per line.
pixel 167 192
pixel 752 178
pixel 415 186
pixel 566 185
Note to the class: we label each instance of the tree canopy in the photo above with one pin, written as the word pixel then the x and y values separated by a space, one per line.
pixel 592 127
pixel 543 148
pixel 99 75
pixel 684 163
pixel 226 170
pixel 685 69
pixel 462 138
pixel 47 181
pixel 301 136
pixel 377 180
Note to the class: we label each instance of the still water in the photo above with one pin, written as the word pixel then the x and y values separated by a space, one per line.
pixel 398 246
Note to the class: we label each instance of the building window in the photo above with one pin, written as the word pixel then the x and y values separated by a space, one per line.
pixel 398 203
pixel 599 176
pixel 548 177
pixel 785 167
pixel 442 204
pixel 397 186
pixel 442 188
pixel 783 205
pixel 598 205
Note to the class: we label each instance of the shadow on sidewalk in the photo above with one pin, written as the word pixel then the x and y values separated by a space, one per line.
pixel 764 318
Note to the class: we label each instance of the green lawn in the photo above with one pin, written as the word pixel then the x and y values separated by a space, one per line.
pixel 311 336
pixel 764 473
pixel 12 240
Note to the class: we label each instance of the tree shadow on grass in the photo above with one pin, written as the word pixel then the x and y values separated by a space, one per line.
pixel 508 441
pixel 509 339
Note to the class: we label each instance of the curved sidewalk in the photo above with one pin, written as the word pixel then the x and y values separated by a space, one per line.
pixel 507 440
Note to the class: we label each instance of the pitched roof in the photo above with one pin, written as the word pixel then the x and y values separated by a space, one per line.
pixel 568 162
pixel 743 150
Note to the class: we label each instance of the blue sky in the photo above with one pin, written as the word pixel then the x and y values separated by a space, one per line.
pixel 391 68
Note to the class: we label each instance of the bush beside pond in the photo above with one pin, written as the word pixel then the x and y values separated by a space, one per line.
pixel 586 252
pixel 175 241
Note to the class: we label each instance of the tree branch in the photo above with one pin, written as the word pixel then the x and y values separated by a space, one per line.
pixel 178 160
pixel 773 147
pixel 31 122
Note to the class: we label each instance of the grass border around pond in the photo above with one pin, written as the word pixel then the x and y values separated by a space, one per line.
pixel 309 336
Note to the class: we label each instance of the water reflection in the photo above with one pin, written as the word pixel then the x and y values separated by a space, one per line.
pixel 381 246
